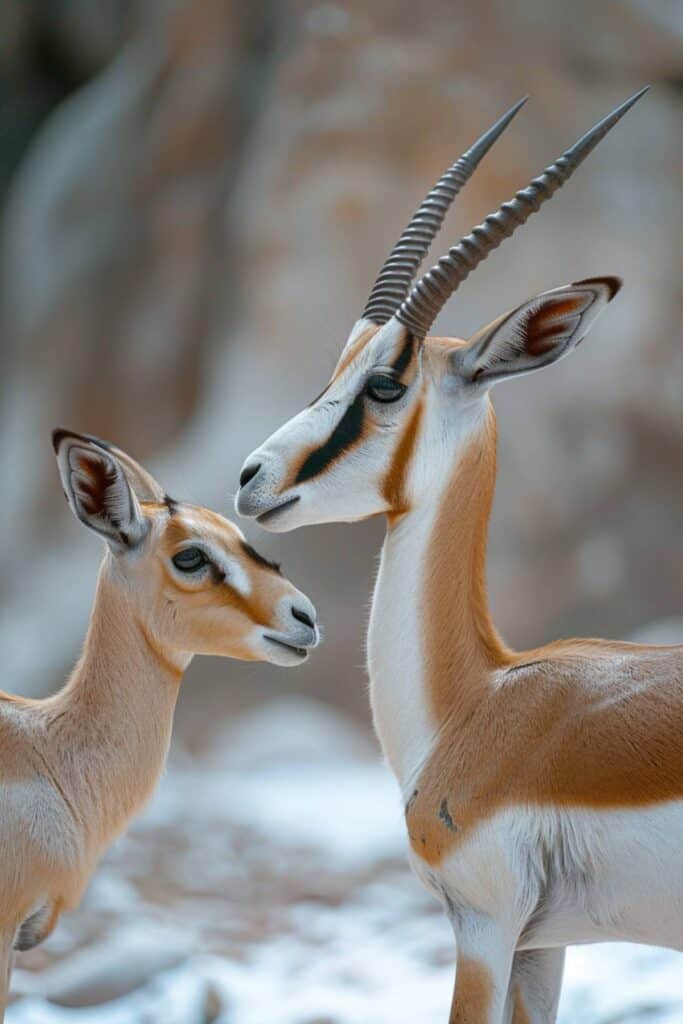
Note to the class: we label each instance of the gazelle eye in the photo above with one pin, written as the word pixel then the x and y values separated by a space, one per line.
pixel 383 388
pixel 190 560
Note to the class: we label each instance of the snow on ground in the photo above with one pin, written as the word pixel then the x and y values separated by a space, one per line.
pixel 267 884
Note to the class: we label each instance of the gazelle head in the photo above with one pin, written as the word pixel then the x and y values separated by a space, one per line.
pixel 190 579
pixel 400 404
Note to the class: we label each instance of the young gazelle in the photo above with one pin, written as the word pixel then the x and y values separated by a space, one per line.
pixel 543 790
pixel 176 580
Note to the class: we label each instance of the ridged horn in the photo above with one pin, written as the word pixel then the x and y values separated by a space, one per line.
pixel 426 300
pixel 396 276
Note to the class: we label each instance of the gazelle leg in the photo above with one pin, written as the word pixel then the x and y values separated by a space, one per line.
pixel 483 970
pixel 6 963
pixel 535 984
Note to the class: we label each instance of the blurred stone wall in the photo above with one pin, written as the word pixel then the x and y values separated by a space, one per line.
pixel 209 188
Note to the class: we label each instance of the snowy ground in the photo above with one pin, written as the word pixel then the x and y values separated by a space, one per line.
pixel 272 888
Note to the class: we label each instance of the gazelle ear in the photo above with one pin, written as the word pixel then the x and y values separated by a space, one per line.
pixel 537 333
pixel 97 489
pixel 140 479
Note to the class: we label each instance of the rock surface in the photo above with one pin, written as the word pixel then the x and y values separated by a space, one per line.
pixel 193 230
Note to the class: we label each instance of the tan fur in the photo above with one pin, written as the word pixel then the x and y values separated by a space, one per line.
pixel 519 1010
pixel 474 990
pixel 212 632
pixel 559 724
pixel 6 962
pixel 470 727
pixel 86 760
pixel 75 767
pixel 394 482
pixel 350 354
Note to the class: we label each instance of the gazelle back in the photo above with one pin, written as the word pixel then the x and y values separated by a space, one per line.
pixel 543 790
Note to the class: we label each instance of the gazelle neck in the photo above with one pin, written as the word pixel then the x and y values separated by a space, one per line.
pixel 110 726
pixel 432 645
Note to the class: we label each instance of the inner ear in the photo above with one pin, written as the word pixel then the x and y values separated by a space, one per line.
pixel 99 493
pixel 544 326
pixel 103 498
pixel 535 334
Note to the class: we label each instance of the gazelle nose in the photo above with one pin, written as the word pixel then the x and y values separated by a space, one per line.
pixel 304 617
pixel 248 473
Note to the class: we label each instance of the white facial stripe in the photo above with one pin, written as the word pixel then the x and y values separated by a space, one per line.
pixel 235 574
pixel 358 328
pixel 213 541
pixel 381 350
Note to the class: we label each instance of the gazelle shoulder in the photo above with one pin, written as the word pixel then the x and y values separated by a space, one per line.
pixel 601 662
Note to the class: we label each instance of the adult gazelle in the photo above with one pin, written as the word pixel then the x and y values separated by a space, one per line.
pixel 543 789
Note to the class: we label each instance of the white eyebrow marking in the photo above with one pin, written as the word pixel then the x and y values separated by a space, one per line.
pixel 235 573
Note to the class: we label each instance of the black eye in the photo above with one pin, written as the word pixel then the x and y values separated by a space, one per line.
pixel 383 388
pixel 190 560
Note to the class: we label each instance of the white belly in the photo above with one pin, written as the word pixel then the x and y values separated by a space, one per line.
pixel 572 876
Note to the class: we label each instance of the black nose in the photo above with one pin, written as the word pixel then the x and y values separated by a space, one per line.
pixel 248 473
pixel 303 617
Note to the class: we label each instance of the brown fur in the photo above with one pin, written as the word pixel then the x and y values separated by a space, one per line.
pixel 581 723
pixel 473 994
pixel 519 1010
pixel 75 767
pixel 206 603
pixel 394 482
pixel 354 350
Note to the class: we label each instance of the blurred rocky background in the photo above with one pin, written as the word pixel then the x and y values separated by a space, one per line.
pixel 195 197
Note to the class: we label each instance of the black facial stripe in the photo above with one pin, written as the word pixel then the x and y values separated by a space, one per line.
pixel 171 504
pixel 402 361
pixel 345 434
pixel 260 559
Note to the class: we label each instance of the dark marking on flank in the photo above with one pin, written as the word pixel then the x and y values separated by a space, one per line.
pixel 410 801
pixel 260 559
pixel 445 816
pixel 403 359
pixel 344 435
pixel 171 504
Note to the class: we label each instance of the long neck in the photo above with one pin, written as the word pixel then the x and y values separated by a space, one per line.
pixel 460 643
pixel 109 728
pixel 432 644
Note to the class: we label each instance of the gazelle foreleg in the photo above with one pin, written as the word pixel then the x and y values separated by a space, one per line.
pixel 534 990
pixel 6 964
pixel 485 956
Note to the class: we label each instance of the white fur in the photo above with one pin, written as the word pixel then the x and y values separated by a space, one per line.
pixel 527 878
pixel 403 720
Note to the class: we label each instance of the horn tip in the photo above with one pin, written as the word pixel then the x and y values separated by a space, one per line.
pixel 619 111
pixel 589 141
pixel 484 143
pixel 504 121
pixel 627 104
